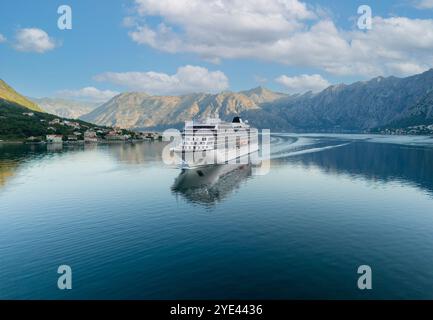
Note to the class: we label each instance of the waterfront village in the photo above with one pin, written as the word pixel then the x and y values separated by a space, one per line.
pixel 412 130
pixel 68 131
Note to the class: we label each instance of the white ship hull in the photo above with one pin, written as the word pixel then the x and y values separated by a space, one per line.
pixel 192 159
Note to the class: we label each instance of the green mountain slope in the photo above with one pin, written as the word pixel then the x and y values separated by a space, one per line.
pixel 17 124
pixel 9 94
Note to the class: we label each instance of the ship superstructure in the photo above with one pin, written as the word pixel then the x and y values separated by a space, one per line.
pixel 214 141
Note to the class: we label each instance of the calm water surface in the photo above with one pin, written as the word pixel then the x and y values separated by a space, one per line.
pixel 131 227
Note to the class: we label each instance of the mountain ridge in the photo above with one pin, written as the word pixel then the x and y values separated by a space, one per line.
pixel 357 107
pixel 9 94
pixel 65 108
pixel 133 110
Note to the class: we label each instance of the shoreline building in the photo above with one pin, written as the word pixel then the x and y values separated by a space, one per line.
pixel 90 136
pixel 54 138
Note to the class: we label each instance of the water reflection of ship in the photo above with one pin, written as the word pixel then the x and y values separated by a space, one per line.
pixel 210 184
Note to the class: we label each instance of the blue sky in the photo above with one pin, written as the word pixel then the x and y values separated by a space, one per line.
pixel 125 45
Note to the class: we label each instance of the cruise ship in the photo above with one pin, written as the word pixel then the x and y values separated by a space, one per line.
pixel 214 141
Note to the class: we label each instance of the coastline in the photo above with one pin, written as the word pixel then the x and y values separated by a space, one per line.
pixel 82 142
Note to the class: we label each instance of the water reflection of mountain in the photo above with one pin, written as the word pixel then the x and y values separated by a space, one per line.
pixel 211 184
pixel 14 157
pixel 7 171
pixel 376 161
pixel 11 158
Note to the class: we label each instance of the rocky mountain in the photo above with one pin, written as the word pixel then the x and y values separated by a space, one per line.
pixel 262 95
pixel 140 110
pixel 71 109
pixel 356 107
pixel 421 113
pixel 9 94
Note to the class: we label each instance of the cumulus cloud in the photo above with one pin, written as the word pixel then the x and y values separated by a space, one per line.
pixel 187 79
pixel 2 38
pixel 33 40
pixel 424 4
pixel 88 93
pixel 229 23
pixel 288 32
pixel 303 83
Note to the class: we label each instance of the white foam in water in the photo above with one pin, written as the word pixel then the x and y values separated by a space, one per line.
pixel 376 138
pixel 281 147
pixel 307 143
pixel 312 150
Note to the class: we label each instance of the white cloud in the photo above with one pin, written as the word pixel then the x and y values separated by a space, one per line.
pixel 397 45
pixel 287 32
pixel 236 19
pixel 88 93
pixel 2 38
pixel 188 79
pixel 230 23
pixel 33 40
pixel 424 4
pixel 303 83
